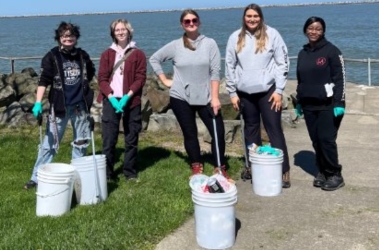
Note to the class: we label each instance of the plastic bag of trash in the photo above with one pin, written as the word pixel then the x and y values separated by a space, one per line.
pixel 199 182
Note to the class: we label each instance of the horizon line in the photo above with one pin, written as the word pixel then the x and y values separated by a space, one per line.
pixel 206 8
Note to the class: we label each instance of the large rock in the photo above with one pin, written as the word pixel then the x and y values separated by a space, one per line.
pixel 11 115
pixel 7 95
pixel 29 71
pixel 163 122
pixel 25 84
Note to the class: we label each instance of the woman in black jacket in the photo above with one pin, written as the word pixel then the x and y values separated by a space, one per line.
pixel 68 71
pixel 321 98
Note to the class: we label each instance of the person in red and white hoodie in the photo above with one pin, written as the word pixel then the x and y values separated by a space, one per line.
pixel 121 81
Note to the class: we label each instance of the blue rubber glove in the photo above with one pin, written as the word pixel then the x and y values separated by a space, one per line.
pixel 298 110
pixel 115 104
pixel 124 100
pixel 338 111
pixel 37 109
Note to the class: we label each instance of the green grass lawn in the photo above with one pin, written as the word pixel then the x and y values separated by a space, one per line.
pixel 135 215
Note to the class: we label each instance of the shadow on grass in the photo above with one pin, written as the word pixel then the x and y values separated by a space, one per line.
pixel 205 158
pixel 146 158
pixel 306 161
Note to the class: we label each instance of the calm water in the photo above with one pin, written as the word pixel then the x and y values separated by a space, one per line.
pixel 350 27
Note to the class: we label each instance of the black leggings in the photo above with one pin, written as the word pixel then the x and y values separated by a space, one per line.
pixel 256 106
pixel 323 129
pixel 186 116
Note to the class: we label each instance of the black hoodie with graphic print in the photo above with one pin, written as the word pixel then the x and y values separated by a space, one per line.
pixel 317 66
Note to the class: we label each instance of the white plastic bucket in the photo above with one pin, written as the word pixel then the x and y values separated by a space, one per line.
pixel 54 193
pixel 267 174
pixel 85 185
pixel 215 223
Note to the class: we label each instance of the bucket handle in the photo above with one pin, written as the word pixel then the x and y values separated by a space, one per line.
pixel 51 195
pixel 58 182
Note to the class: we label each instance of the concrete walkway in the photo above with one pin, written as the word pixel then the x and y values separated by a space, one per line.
pixel 304 217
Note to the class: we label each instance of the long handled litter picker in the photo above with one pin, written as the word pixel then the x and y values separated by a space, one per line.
pixel 39 118
pixel 215 137
pixel 98 198
pixel 246 173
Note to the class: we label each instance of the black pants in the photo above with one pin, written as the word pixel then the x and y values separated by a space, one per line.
pixel 256 106
pixel 323 129
pixel 186 116
pixel 132 122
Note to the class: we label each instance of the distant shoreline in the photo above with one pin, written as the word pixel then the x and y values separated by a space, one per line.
pixel 216 8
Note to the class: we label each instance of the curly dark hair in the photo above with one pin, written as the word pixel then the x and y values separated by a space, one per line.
pixel 63 27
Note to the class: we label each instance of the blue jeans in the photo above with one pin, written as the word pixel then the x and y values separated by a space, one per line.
pixel 81 135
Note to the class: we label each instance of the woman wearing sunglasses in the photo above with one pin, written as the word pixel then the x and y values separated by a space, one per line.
pixel 194 88
pixel 256 67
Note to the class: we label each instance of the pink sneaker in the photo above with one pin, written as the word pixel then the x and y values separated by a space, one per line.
pixel 197 168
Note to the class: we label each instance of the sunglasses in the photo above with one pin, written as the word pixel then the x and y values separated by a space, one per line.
pixel 187 22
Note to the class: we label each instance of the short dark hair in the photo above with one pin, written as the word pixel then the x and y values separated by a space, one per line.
pixel 63 27
pixel 314 19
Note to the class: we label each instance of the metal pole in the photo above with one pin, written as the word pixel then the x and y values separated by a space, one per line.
pixel 369 71
pixel 12 65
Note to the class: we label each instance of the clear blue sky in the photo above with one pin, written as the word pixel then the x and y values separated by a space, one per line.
pixel 29 7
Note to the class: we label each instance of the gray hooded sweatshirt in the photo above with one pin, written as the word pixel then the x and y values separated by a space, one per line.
pixel 193 69
pixel 252 72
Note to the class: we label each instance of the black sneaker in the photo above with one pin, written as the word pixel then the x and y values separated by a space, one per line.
pixel 30 184
pixel 333 182
pixel 319 181
pixel 286 182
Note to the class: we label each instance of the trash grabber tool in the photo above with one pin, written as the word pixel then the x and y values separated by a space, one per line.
pixel 98 198
pixel 215 137
pixel 39 118
pixel 246 171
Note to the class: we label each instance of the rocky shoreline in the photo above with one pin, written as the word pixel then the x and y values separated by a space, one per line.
pixel 17 97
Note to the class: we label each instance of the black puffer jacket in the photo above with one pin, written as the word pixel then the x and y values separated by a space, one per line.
pixel 53 75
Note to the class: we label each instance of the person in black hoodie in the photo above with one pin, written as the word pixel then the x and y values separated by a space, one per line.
pixel 321 98
pixel 68 71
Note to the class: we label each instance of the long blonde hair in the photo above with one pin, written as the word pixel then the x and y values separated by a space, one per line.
pixel 260 32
